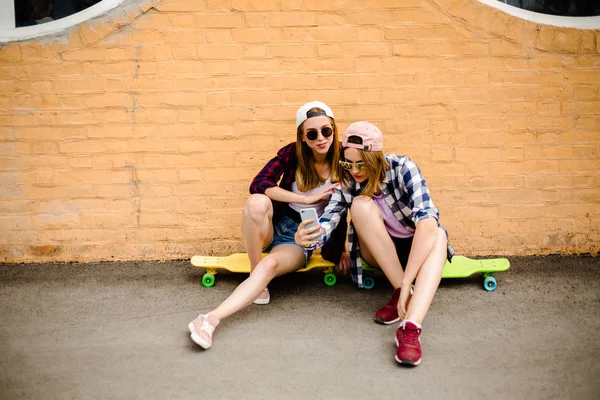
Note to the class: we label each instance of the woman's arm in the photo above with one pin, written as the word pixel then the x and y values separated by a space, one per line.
pixel 420 202
pixel 284 164
pixel 285 196
pixel 424 214
pixel 422 245
pixel 329 220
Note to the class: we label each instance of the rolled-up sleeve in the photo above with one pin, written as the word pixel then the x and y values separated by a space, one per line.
pixel 269 176
pixel 335 210
pixel 420 201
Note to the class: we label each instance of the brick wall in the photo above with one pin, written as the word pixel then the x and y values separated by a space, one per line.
pixel 135 136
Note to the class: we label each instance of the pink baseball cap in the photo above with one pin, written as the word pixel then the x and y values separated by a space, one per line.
pixel 363 135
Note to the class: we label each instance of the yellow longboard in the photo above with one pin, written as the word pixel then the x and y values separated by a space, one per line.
pixel 239 262
pixel 462 267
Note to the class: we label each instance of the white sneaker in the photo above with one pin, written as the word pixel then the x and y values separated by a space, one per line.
pixel 264 297
pixel 201 330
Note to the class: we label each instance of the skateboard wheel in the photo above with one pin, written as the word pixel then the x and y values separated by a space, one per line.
pixel 368 282
pixel 330 279
pixel 208 280
pixel 489 283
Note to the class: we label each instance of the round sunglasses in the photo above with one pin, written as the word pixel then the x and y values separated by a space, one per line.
pixel 313 134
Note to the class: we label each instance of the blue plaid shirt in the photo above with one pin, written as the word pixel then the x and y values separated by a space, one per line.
pixel 404 190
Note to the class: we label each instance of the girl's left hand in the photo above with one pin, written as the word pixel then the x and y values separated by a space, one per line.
pixel 322 196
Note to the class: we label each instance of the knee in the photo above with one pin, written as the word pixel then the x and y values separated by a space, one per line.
pixel 267 267
pixel 363 206
pixel 257 207
pixel 364 211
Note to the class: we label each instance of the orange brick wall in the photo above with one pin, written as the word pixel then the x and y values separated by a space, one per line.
pixel 135 136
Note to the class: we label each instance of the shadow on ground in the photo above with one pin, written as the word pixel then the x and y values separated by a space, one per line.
pixel 119 331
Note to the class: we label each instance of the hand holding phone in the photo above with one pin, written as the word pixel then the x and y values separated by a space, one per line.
pixel 313 227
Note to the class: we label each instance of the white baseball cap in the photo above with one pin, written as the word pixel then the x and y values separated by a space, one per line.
pixel 302 113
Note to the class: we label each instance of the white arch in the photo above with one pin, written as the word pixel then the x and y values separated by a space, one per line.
pixel 545 19
pixel 52 27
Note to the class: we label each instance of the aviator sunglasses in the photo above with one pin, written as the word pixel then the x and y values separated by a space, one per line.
pixel 347 165
pixel 312 134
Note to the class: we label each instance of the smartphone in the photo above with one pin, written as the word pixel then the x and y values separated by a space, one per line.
pixel 308 213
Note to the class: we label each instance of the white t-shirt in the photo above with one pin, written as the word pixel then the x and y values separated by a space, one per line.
pixel 320 207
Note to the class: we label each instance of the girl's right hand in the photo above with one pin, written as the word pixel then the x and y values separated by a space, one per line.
pixel 305 236
pixel 344 264
pixel 321 196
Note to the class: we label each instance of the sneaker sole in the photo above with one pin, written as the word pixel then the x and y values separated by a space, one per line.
pixel 197 339
pixel 407 362
pixel 262 301
pixel 382 322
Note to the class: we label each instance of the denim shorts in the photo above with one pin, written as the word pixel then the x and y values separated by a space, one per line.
pixel 283 233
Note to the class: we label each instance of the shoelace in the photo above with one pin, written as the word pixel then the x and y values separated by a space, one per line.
pixel 208 328
pixel 411 337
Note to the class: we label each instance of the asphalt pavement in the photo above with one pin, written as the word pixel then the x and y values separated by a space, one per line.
pixel 119 331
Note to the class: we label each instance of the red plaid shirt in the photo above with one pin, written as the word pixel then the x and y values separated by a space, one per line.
pixel 284 163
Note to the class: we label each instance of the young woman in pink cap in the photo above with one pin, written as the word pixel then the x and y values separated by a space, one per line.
pixel 397 226
pixel 302 174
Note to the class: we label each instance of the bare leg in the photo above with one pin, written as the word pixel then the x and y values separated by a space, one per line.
pixel 377 247
pixel 428 279
pixel 281 260
pixel 257 226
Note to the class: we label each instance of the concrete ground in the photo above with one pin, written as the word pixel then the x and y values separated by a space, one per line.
pixel 119 331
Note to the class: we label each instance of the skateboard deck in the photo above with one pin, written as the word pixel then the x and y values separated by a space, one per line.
pixel 462 267
pixel 239 262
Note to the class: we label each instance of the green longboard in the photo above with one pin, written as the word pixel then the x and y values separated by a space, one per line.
pixel 239 262
pixel 462 267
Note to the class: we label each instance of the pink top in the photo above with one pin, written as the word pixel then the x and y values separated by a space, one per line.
pixel 392 224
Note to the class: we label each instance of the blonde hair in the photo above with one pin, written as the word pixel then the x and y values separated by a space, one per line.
pixel 376 166
pixel 307 176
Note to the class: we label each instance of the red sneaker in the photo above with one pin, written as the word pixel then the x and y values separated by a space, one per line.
pixel 388 314
pixel 408 343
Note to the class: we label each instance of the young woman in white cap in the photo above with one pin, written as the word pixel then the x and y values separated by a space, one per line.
pixel 397 226
pixel 302 174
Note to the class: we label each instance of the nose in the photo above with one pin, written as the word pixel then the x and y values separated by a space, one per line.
pixel 353 167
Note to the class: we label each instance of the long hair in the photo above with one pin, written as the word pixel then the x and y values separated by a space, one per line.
pixel 306 175
pixel 376 165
